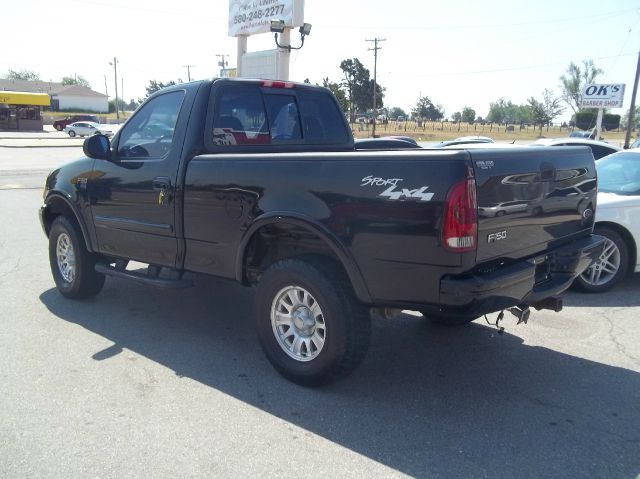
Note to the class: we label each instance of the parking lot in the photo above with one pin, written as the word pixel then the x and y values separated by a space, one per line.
pixel 141 382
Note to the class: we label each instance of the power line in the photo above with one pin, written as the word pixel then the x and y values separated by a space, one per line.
pixel 483 26
pixel 498 70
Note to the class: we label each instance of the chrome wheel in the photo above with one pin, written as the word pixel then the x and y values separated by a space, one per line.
pixel 605 268
pixel 66 258
pixel 298 323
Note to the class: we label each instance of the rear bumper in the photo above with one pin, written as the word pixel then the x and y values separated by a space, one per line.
pixel 525 282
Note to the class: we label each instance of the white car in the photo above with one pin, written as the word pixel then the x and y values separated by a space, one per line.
pixel 600 149
pixel 617 219
pixel 87 128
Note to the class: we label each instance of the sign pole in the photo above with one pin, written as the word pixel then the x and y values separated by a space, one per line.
pixel 632 110
pixel 599 123
pixel 284 55
pixel 242 49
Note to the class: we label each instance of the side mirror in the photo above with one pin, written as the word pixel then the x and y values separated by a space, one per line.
pixel 97 147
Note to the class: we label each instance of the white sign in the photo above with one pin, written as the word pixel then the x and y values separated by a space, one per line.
pixel 247 17
pixel 603 96
pixel 262 64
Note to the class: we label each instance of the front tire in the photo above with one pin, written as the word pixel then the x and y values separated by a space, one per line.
pixel 72 266
pixel 72 133
pixel 309 323
pixel 610 267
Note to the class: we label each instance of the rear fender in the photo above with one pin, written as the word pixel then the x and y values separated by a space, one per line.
pixel 333 242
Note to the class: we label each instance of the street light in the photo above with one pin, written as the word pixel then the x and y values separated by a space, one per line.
pixel 278 26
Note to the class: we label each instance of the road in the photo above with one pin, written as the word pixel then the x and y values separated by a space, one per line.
pixel 140 382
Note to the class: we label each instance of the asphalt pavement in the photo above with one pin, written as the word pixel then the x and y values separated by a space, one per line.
pixel 142 382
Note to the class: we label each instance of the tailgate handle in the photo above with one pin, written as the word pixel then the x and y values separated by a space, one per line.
pixel 547 172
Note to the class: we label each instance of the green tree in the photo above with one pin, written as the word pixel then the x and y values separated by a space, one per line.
pixel 155 85
pixel 21 75
pixel 76 80
pixel 543 112
pixel 456 117
pixel 468 114
pixel 338 92
pixel 395 112
pixel 426 110
pixel 575 79
pixel 359 87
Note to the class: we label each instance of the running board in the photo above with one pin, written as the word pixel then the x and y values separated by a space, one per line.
pixel 151 279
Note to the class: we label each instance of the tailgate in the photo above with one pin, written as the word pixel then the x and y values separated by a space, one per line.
pixel 530 199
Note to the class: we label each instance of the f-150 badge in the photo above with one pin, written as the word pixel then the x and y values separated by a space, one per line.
pixel 394 192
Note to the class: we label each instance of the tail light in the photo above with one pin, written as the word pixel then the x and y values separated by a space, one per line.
pixel 277 84
pixel 460 229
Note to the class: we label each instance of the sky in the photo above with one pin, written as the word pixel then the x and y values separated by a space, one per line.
pixel 458 53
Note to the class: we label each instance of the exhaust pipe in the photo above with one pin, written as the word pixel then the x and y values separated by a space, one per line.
pixel 554 303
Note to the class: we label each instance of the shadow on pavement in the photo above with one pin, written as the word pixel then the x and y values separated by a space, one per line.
pixel 427 400
pixel 626 293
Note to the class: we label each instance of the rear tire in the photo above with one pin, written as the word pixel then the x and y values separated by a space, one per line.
pixel 72 266
pixel 309 323
pixel 72 133
pixel 59 127
pixel 609 268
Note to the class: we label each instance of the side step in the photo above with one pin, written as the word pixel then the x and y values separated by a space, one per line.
pixel 151 278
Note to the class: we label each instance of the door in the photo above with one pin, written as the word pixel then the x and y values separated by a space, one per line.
pixel 132 194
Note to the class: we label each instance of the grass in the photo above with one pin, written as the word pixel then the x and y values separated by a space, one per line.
pixel 436 131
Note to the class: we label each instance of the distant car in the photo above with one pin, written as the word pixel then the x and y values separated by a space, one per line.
pixel 618 220
pixel 386 143
pixel 501 209
pixel 600 149
pixel 60 124
pixel 462 141
pixel 583 134
pixel 156 130
pixel 86 128
pixel 476 139
pixel 400 119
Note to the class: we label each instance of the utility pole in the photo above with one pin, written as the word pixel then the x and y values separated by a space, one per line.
pixel 223 64
pixel 632 110
pixel 188 67
pixel 375 79
pixel 115 73
pixel 122 93
pixel 106 90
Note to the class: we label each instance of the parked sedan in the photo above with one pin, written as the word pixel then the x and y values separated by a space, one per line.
pixel 87 128
pixel 600 149
pixel 617 219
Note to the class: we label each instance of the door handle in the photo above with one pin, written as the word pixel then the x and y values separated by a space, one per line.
pixel 163 184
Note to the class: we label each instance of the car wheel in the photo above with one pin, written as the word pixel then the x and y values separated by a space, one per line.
pixel 59 127
pixel 310 325
pixel 448 320
pixel 500 213
pixel 610 267
pixel 72 133
pixel 72 266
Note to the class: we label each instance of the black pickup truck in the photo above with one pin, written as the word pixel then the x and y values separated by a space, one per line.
pixel 259 182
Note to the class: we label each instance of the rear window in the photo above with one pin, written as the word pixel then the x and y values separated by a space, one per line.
pixel 251 115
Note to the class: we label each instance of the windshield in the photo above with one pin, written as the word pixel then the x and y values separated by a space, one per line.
pixel 620 173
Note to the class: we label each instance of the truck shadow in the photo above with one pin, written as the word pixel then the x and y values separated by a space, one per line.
pixel 427 401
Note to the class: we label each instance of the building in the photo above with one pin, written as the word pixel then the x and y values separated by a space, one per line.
pixel 27 115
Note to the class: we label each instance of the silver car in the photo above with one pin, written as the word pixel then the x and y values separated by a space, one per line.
pixel 87 128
